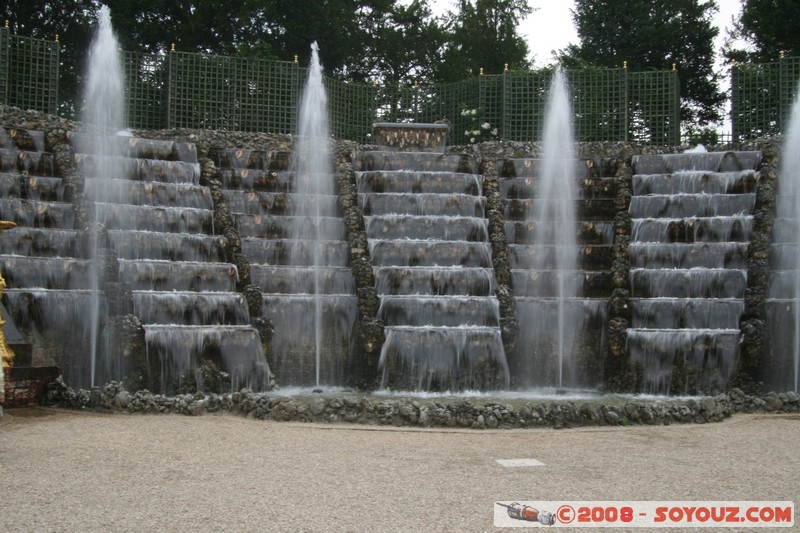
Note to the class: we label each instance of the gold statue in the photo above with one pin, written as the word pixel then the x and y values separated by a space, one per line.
pixel 5 349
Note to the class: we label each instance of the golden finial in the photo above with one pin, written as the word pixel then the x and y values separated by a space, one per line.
pixel 505 67
pixel 56 37
pixel 416 84
pixel 674 67
pixel 733 62
pixel 625 64
pixel 172 48
pixel 783 54
pixel 7 24
pixel 296 58
pixel 481 71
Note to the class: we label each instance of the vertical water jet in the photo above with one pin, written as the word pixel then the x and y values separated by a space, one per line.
pixel 103 114
pixel 788 208
pixel 553 215
pixel 313 168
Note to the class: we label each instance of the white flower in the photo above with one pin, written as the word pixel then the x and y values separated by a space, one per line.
pixel 486 125
pixel 466 133
pixel 476 132
pixel 474 112
pixel 472 139
pixel 464 112
pixel 494 132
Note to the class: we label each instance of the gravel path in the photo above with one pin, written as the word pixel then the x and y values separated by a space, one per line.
pixel 81 472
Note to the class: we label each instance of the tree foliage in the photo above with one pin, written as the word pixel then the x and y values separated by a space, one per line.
pixel 652 34
pixel 766 27
pixel 483 34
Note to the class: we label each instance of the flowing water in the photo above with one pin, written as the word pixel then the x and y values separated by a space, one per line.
pixel 554 215
pixel 785 281
pixel 313 169
pixel 104 113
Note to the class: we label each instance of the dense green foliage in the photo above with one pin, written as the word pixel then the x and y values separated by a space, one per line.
pixel 652 34
pixel 765 27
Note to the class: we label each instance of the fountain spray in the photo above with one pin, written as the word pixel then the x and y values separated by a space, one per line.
pixel 103 114
pixel 313 168
pixel 555 219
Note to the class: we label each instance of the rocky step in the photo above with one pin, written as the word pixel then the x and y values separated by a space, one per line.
pixel 290 227
pixel 416 161
pixel 683 256
pixel 683 313
pixel 294 252
pixel 595 209
pixel 546 283
pixel 40 188
pixel 688 282
pixel 190 308
pixel 152 193
pixel 43 242
pixel 438 311
pixel 28 163
pixel 434 280
pixel 456 228
pixel 38 214
pixel 532 167
pixel 455 205
pixel 691 205
pixel 543 257
pixel 245 158
pixel 409 253
pixel 381 181
pixel 163 275
pixel 696 161
pixel 587 232
pixel 108 167
pixel 302 280
pixel 132 244
pixel 585 187
pixel 262 203
pixel 696 182
pixel 135 147
pixel 693 229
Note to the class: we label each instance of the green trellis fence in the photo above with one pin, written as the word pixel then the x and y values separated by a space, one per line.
pixel 762 95
pixel 201 91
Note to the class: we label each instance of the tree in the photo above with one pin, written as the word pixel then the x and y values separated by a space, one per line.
pixel 652 34
pixel 405 45
pixel 766 27
pixel 483 34
pixel 208 26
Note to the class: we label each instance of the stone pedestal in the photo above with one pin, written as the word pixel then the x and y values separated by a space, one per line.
pixel 409 137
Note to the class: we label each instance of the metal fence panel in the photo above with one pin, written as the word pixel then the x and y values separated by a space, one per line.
pixel 145 76
pixel 654 107
pixel 200 91
pixel 30 77
pixel 761 97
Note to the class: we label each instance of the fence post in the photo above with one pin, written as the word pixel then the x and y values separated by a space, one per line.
pixel 735 97
pixel 296 87
pixel 783 91
pixel 675 104
pixel 626 115
pixel 56 78
pixel 168 84
pixel 4 31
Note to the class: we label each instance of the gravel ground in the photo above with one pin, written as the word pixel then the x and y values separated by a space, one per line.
pixel 83 472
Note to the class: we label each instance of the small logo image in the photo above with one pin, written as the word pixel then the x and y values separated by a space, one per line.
pixel 527 513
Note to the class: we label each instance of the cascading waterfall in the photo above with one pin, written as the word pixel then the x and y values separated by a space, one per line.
pixel 789 208
pixel 104 113
pixel 554 213
pixel 313 168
